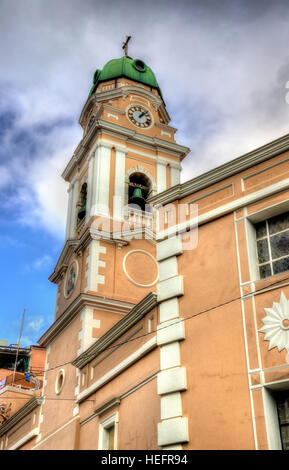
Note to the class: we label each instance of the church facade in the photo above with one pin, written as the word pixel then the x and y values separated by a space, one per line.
pixel 171 323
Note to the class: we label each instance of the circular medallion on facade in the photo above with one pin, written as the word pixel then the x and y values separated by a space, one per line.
pixel 70 279
pixel 276 324
pixel 141 268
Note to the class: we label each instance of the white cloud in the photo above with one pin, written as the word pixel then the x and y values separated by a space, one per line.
pixel 222 71
pixel 35 325
pixel 42 263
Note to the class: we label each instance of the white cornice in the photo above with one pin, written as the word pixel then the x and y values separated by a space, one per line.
pixel 222 172
pixel 61 266
pixel 78 246
pixel 128 361
pixel 225 209
pixel 131 318
pixel 105 304
pixel 130 136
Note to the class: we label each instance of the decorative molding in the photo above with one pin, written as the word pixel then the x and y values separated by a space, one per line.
pixel 224 171
pixel 225 209
pixel 127 362
pixel 172 380
pixel 74 308
pixel 155 143
pixel 169 248
pixel 20 414
pixel 25 439
pixel 173 428
pixel 131 318
pixel 172 287
pixel 276 324
pixel 173 431
pixel 125 394
pixel 129 277
pixel 107 406
pixel 170 331
pixel 78 246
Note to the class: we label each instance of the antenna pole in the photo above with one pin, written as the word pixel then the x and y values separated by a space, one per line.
pixel 18 346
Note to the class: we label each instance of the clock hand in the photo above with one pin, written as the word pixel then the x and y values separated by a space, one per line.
pixel 142 114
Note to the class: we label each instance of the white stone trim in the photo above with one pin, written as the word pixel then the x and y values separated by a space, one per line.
pixel 101 181
pixel 161 177
pixel 175 175
pixel 226 208
pixel 130 278
pixel 34 432
pixel 92 274
pixel 171 406
pixel 54 432
pixel 170 355
pixel 86 332
pixel 168 268
pixel 170 331
pixel 169 309
pixel 172 380
pixel 59 390
pixel 103 426
pixel 119 183
pixel 128 361
pixel 271 420
pixel 91 160
pixel 68 214
pixel 168 248
pixel 169 288
pixel 245 333
pixel 173 431
pixel 173 447
pixel 118 146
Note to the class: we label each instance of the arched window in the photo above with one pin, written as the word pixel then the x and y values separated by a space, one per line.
pixel 139 188
pixel 81 205
pixel 91 121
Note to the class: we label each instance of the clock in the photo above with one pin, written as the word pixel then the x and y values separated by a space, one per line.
pixel 139 116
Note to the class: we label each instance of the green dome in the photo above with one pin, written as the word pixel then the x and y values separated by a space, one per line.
pixel 126 67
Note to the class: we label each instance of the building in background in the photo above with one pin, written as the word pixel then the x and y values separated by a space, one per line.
pixel 165 336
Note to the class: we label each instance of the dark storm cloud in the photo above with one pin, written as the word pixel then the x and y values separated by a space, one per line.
pixel 222 66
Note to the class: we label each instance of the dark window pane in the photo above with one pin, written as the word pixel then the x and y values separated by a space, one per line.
pixel 279 245
pixel 281 265
pixel 263 252
pixel 278 223
pixel 283 410
pixel 260 230
pixel 265 271
pixel 285 437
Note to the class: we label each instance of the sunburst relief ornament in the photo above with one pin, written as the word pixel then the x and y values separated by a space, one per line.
pixel 276 324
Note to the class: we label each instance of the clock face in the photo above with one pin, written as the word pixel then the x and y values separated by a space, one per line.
pixel 139 116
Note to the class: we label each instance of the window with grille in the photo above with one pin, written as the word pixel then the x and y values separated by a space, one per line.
pixel 272 237
pixel 282 400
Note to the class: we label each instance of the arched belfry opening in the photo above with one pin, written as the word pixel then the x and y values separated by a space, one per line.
pixel 139 188
pixel 81 204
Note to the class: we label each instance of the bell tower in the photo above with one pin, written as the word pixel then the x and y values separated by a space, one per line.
pixel 127 154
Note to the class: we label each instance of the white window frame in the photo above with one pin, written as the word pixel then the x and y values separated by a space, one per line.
pixel 271 413
pixel 250 221
pixel 103 432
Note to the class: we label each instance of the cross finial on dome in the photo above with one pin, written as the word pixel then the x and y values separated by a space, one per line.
pixel 125 46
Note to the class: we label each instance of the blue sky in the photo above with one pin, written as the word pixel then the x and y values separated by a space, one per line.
pixel 223 72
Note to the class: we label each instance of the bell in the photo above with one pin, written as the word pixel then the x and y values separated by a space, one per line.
pixel 82 211
pixel 137 199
